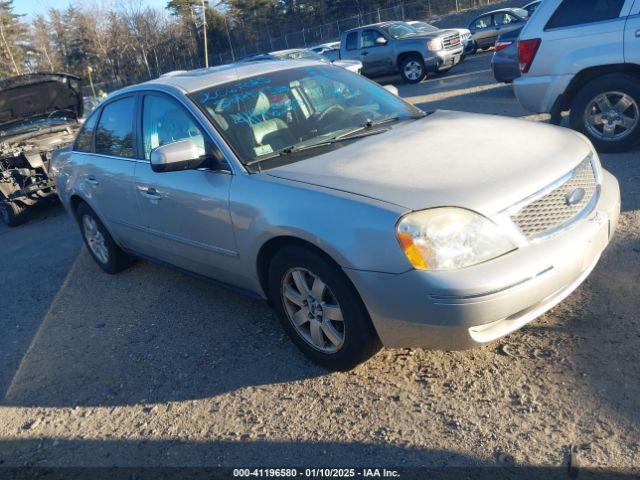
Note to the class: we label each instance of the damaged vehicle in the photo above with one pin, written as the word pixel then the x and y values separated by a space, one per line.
pixel 39 113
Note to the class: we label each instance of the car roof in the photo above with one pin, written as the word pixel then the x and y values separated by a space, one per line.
pixel 193 80
pixel 285 52
pixel 500 10
pixel 379 24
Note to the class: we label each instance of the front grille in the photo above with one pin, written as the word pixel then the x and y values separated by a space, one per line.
pixel 553 211
pixel 451 41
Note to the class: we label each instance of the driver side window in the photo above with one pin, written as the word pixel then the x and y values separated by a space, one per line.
pixel 165 121
pixel 369 38
pixel 482 23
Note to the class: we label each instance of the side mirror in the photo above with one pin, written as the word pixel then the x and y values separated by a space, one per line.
pixel 381 41
pixel 177 156
pixel 392 89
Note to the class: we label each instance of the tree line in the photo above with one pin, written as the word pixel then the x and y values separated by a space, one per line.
pixel 129 41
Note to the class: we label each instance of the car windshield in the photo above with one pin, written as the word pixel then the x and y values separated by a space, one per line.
pixel 400 30
pixel 35 124
pixel 260 117
pixel 424 27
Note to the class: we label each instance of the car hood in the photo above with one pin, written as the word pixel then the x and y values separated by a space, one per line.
pixel 39 95
pixel 480 162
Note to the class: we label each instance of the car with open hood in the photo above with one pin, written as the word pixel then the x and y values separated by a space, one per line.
pixel 363 220
pixel 38 115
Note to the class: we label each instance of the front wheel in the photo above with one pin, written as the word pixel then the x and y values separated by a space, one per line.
pixel 12 214
pixel 607 110
pixel 320 309
pixel 412 69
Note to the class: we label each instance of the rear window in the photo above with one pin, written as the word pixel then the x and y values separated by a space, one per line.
pixel 352 41
pixel 574 12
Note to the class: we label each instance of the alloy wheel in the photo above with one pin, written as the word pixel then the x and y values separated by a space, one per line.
pixel 313 310
pixel 612 116
pixel 95 239
pixel 413 70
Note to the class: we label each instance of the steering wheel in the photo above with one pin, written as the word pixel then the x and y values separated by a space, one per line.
pixel 332 110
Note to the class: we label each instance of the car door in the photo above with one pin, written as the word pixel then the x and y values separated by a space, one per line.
pixel 482 29
pixel 350 50
pixel 186 213
pixel 106 154
pixel 377 59
pixel 578 38
pixel 632 35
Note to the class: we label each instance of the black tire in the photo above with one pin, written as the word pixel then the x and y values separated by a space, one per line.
pixel 12 213
pixel 116 260
pixel 419 61
pixel 615 82
pixel 360 341
pixel 474 50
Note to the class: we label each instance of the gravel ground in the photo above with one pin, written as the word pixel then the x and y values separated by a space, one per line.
pixel 151 367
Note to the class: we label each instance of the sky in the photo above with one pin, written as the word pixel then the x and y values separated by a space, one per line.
pixel 31 7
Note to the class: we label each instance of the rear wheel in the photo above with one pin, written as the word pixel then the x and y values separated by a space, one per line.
pixel 99 242
pixel 12 213
pixel 320 309
pixel 607 110
pixel 412 69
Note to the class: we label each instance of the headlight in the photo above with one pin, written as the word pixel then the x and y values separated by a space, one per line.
pixel 450 238
pixel 435 44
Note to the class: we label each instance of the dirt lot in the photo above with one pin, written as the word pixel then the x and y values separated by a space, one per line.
pixel 152 367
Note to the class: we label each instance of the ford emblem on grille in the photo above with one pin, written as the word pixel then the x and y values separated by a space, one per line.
pixel 575 196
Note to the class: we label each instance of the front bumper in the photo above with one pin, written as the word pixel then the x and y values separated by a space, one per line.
pixel 444 59
pixel 467 308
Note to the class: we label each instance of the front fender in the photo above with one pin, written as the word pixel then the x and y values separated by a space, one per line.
pixel 356 232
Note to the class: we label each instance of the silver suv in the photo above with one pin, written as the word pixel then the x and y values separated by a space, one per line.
pixel 586 60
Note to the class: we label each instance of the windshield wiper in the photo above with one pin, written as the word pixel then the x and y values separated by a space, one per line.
pixel 323 143
pixel 365 130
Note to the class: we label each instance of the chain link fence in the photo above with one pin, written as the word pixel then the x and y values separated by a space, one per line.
pixel 163 58
pixel 330 32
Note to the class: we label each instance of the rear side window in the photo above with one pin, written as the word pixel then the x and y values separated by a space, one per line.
pixel 503 18
pixel 352 41
pixel 114 135
pixel 574 12
pixel 84 140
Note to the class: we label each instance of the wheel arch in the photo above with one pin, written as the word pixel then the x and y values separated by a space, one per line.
pixel 272 246
pixel 589 74
pixel 405 55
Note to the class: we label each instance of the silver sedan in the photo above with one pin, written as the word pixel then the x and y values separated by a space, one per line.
pixel 361 219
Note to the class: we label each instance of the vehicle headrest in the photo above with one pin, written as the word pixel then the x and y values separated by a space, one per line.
pixel 262 105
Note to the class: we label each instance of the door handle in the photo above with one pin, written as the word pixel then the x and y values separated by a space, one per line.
pixel 92 181
pixel 150 193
